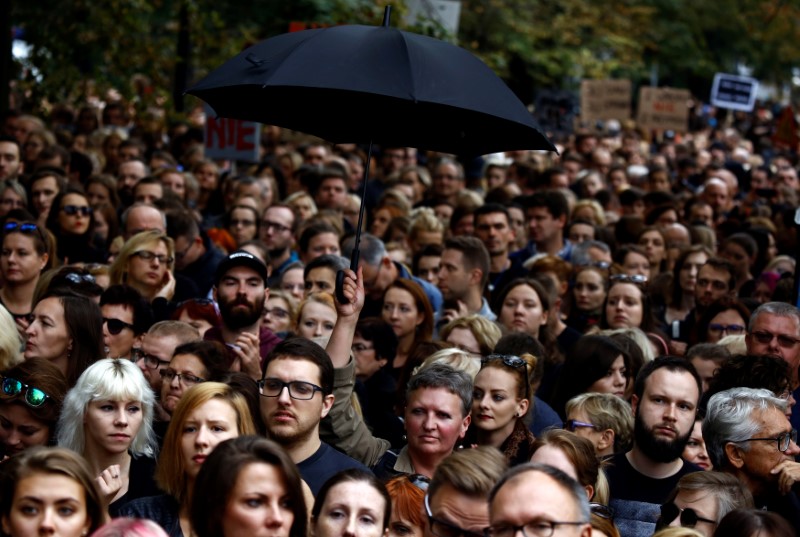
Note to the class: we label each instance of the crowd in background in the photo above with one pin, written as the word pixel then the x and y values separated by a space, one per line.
pixel 622 311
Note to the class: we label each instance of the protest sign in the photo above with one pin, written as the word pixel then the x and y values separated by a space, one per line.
pixel 605 99
pixel 734 92
pixel 231 139
pixel 664 109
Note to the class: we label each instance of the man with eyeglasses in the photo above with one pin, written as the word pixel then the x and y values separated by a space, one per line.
pixel 537 500
pixel 774 328
pixel 296 394
pixel 747 435
pixel 278 233
pixel 158 346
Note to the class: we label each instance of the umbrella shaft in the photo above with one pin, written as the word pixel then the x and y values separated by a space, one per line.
pixel 354 256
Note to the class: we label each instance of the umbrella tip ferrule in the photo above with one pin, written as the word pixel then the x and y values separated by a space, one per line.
pixel 387 14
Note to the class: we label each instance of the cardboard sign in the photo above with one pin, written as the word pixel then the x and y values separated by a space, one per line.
pixel 231 139
pixel 665 109
pixel 605 99
pixel 734 92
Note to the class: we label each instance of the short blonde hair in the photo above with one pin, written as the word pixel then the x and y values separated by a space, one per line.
pixel 171 469
pixel 486 333
pixel 606 411
pixel 455 358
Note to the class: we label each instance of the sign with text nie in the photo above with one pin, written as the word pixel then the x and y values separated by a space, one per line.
pixel 665 109
pixel 734 92
pixel 231 139
pixel 605 99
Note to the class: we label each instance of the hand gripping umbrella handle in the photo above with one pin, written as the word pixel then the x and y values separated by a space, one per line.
pixel 340 276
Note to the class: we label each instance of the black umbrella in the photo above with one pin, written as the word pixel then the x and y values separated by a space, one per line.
pixel 357 83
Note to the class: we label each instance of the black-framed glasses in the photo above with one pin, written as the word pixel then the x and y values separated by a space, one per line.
pixel 298 389
pixel 628 278
pixel 689 517
pixel 572 425
pixel 441 528
pixel 72 210
pixel 115 326
pixel 601 510
pixel 149 256
pixel 184 378
pixel 511 361
pixel 765 338
pixel 150 361
pixel 422 482
pixel 534 528
pixel 23 227
pixel 33 396
pixel 732 329
pixel 784 440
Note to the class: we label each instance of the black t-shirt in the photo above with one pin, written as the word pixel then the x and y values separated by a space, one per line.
pixel 636 498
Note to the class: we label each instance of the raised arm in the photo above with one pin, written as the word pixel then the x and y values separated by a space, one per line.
pixel 341 339
pixel 344 428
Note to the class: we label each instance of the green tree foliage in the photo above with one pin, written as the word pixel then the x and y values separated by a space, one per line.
pixel 92 45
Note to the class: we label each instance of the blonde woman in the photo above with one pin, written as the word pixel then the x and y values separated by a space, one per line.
pixel 146 262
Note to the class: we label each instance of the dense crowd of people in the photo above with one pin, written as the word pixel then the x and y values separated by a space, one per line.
pixel 602 341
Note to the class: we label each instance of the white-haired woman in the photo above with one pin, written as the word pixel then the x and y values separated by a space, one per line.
pixel 107 417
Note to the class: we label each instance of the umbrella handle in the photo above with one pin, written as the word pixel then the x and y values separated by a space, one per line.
pixel 340 296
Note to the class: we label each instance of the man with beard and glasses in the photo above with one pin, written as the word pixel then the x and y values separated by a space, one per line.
pixel 241 291
pixel 664 404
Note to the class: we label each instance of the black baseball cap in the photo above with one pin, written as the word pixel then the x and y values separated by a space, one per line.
pixel 241 258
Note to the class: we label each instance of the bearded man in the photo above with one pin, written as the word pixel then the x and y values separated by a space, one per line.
pixel 241 291
pixel 666 394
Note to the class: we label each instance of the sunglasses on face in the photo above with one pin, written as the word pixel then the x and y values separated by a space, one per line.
pixel 689 517
pixel 115 326
pixel 572 425
pixel 33 396
pixel 72 210
pixel 765 338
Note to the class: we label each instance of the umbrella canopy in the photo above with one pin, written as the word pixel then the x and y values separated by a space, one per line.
pixel 357 83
